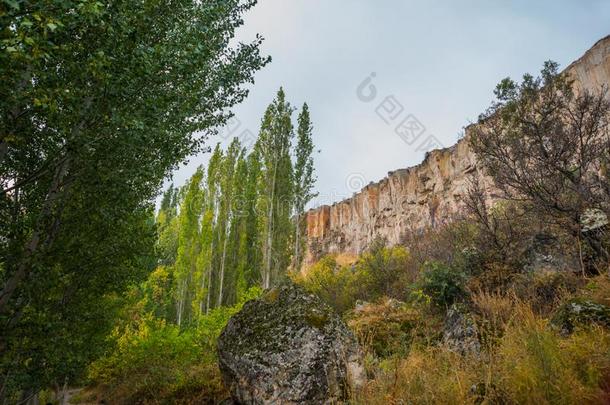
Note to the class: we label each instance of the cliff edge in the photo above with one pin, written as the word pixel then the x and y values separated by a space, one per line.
pixel 427 195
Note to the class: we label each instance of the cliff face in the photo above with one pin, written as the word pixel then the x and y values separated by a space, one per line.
pixel 426 195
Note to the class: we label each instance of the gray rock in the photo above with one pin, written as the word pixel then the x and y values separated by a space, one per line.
pixel 580 312
pixel 460 332
pixel 288 347
pixel 546 254
pixel 592 219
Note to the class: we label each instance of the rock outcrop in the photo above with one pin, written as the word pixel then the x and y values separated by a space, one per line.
pixel 288 347
pixel 580 312
pixel 426 195
pixel 460 332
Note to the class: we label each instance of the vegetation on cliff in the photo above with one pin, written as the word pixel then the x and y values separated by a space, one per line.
pixel 508 304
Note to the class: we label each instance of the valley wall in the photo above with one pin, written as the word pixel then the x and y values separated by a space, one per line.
pixel 427 195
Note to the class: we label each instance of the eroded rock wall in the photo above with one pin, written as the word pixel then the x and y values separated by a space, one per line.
pixel 426 195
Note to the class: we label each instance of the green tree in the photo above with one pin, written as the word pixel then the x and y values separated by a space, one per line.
pixel 304 179
pixel 188 244
pixel 167 227
pixel 99 103
pixel 226 210
pixel 210 220
pixel 250 252
pixel 276 199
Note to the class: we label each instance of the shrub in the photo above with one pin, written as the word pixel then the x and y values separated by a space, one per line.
pixel 380 272
pixel 148 363
pixel 338 286
pixel 493 312
pixel 544 290
pixel 384 328
pixel 385 270
pixel 580 313
pixel 537 366
pixel 441 284
pixel 154 362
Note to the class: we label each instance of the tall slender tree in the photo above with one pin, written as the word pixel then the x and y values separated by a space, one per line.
pixel 188 244
pixel 274 144
pixel 211 215
pixel 226 212
pixel 304 179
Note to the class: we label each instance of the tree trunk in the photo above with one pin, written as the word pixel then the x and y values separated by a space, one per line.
pixel 297 241
pixel 201 301
pixel 222 263
pixel 269 247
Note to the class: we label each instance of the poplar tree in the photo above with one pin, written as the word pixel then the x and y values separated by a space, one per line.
pixel 211 220
pixel 250 246
pixel 226 211
pixel 188 244
pixel 274 144
pixel 304 179
pixel 100 101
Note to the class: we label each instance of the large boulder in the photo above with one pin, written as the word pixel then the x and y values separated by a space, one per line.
pixel 288 347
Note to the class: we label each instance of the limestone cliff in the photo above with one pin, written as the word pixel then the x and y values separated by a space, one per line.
pixel 426 195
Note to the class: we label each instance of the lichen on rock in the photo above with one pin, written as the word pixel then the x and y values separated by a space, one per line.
pixel 460 333
pixel 288 347
pixel 580 312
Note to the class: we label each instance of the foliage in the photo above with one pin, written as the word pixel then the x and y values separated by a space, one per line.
pixel 530 364
pixel 277 188
pixel 537 366
pixel 544 290
pixel 493 311
pixel 338 286
pixel 442 284
pixel 216 233
pixel 379 272
pixel 578 313
pixel 304 180
pixel 385 328
pixel 546 145
pixel 153 361
pixel 382 268
pixel 99 102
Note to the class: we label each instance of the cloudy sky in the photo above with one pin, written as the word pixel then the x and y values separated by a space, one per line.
pixel 431 65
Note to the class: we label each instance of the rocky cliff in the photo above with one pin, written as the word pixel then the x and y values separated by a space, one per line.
pixel 426 195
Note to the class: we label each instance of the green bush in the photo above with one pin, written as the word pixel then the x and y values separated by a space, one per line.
pixel 385 271
pixel 338 286
pixel 441 284
pixel 156 362
pixel 380 272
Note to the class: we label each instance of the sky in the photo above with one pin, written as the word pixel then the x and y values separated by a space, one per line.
pixel 387 80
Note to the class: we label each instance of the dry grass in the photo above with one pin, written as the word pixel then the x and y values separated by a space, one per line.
pixel 529 364
pixel 384 327
pixel 429 376
pixel 598 290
